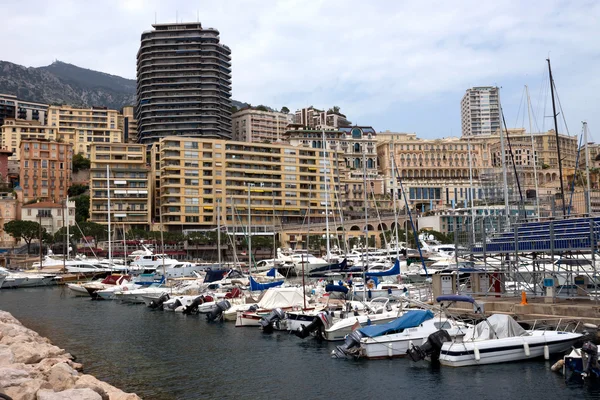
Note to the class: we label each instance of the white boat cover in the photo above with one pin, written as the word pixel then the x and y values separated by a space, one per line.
pixel 281 297
pixel 498 326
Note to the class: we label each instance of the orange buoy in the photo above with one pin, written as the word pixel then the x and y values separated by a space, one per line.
pixel 523 298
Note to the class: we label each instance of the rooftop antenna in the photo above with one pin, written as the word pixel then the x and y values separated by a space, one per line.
pixel 198 16
pixel 155 18
pixel 177 16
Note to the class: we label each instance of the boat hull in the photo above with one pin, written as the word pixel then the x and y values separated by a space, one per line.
pixel 505 350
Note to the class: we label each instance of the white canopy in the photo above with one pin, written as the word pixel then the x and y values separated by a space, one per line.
pixel 498 326
pixel 281 297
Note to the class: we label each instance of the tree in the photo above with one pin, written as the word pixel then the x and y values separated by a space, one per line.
pixel 334 109
pixel 82 208
pixel 234 109
pixel 260 107
pixel 96 231
pixel 285 110
pixel 80 162
pixel 26 230
pixel 76 190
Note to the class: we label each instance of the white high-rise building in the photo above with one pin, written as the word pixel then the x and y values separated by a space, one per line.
pixel 480 112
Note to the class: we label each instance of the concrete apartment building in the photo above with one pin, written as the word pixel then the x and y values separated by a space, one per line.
pixel 12 107
pixel 10 209
pixel 52 216
pixel 313 118
pixel 14 130
pixel 480 111
pixel 128 183
pixel 83 127
pixel 45 169
pixel 250 125
pixel 285 184
pixel 184 83
pixel 128 124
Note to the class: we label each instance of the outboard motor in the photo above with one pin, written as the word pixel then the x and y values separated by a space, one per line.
pixel 431 348
pixel 158 303
pixel 218 310
pixel 322 320
pixel 253 308
pixel 350 347
pixel 173 306
pixel 267 322
pixel 193 307
pixel 591 359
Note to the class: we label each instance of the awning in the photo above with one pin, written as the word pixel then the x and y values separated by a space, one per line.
pixel 120 191
pixel 120 182
pixel 132 192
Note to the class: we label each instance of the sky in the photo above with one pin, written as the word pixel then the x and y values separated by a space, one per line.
pixel 397 65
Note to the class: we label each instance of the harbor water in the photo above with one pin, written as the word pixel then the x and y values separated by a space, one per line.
pixel 161 355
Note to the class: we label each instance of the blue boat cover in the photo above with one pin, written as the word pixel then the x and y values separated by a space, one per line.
pixel 272 272
pixel 395 270
pixel 455 297
pixel 410 319
pixel 336 288
pixel 262 286
pixel 331 268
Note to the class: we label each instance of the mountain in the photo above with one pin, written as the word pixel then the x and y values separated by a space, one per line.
pixel 62 83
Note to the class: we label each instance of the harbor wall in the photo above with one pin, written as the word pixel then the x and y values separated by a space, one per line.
pixel 32 368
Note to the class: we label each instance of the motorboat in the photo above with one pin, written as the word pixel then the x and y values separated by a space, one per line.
pixel 112 280
pixel 182 270
pixel 499 338
pixel 25 279
pixel 136 295
pixel 395 338
pixel 580 363
pixel 146 259
pixel 111 292
pixel 284 298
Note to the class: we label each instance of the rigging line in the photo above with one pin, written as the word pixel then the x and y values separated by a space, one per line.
pixel 574 176
pixel 519 109
pixel 379 217
pixel 562 113
pixel 512 157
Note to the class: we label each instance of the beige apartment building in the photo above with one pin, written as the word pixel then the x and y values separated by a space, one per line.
pixel 281 184
pixel 83 127
pixel 15 130
pixel 10 209
pixel 312 118
pixel 52 216
pixel 128 124
pixel 45 169
pixel 128 183
pixel 251 125
pixel 480 111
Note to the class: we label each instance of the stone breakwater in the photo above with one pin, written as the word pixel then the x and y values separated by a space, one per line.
pixel 32 368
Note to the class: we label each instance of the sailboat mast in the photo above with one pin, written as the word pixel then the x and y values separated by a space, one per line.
pixel 503 156
pixel 535 175
pixel 68 239
pixel 108 191
pixel 366 268
pixel 554 115
pixel 325 164
pixel 471 189
pixel 219 232
pixel 394 192
pixel 588 195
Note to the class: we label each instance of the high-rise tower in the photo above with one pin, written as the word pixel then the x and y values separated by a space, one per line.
pixel 183 83
pixel 480 112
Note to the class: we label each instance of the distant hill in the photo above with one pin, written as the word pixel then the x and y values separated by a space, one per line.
pixel 62 83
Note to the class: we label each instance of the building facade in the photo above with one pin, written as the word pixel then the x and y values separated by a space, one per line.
pixel 128 124
pixel 9 210
pixel 184 83
pixel 281 184
pixel 128 183
pixel 45 169
pixel 250 125
pixel 15 130
pixel 83 127
pixel 312 118
pixel 12 107
pixel 480 111
pixel 435 173
pixel 52 216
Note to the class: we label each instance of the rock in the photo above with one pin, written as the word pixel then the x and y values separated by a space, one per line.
pixel 112 392
pixel 7 318
pixel 62 377
pixel 21 337
pixel 6 355
pixel 16 329
pixel 32 353
pixel 27 390
pixel 71 394
pixel 12 377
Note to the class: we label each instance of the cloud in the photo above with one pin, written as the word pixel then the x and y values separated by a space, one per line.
pixel 394 65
